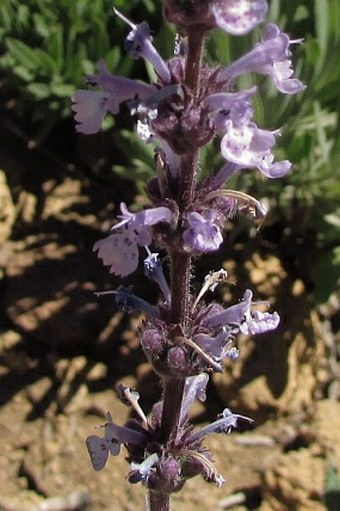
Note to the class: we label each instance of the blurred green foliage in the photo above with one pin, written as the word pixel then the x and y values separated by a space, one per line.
pixel 46 48
pixel 332 490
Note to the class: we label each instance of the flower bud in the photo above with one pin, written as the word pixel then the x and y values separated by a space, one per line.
pixel 178 361
pixel 168 477
pixel 185 14
pixel 153 343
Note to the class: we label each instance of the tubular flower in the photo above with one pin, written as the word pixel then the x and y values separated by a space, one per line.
pixel 243 143
pixel 242 318
pixel 120 249
pixel 225 424
pixel 99 448
pixel 139 44
pixel 249 146
pixel 203 233
pixel 269 57
pixel 92 106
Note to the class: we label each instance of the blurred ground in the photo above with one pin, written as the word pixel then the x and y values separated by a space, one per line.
pixel 63 351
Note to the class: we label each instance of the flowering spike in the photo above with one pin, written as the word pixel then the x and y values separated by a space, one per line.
pixel 184 337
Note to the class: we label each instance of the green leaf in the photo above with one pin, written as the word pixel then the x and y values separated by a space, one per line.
pixel 55 46
pixel 39 90
pixel 22 53
pixel 322 24
pixel 62 90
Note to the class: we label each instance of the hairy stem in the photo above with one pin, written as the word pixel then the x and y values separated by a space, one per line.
pixel 193 60
pixel 181 267
pixel 158 501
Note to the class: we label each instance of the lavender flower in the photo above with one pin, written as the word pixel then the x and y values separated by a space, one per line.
pixel 248 146
pixel 120 249
pixel 203 234
pixel 243 143
pixel 141 472
pixel 138 44
pixel 269 57
pixel 153 270
pixel 99 448
pixel 91 106
pixel 233 16
pixel 129 302
pixel 241 317
pixel 225 424
pixel 238 17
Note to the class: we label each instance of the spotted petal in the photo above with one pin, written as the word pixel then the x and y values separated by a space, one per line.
pixel 100 448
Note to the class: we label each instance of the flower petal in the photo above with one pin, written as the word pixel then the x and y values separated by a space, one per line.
pixel 238 17
pixel 119 251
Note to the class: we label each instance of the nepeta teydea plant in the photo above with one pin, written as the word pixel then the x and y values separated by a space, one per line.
pixel 185 338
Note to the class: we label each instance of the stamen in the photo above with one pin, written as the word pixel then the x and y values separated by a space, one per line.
pixel 130 398
pixel 123 18
pixel 212 473
pixel 256 208
pixel 211 281
pixel 189 342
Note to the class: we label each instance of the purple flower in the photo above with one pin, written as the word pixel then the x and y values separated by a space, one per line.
pixel 243 144
pixel 249 146
pixel 219 347
pixel 241 318
pixel 203 234
pixel 129 302
pixel 225 424
pixel 223 175
pixel 195 388
pixel 269 57
pixel 92 106
pixel 238 17
pixel 138 44
pixel 226 106
pixel 154 271
pixel 258 322
pixel 99 448
pixel 120 249
pixel 140 472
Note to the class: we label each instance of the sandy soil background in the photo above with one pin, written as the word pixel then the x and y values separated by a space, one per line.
pixel 63 351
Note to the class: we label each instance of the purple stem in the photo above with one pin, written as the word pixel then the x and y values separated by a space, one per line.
pixel 181 268
pixel 158 501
